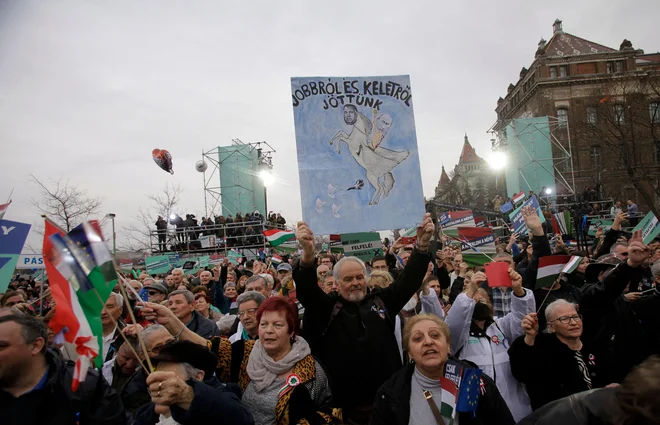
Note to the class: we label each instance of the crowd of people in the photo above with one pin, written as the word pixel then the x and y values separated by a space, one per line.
pixel 239 230
pixel 322 338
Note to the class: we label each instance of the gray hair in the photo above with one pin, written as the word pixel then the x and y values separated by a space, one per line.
pixel 189 296
pixel 550 309
pixel 269 279
pixel 337 268
pixel 138 282
pixel 119 299
pixel 147 333
pixel 330 273
pixel 177 269
pixel 189 371
pixel 255 296
pixel 617 244
pixel 255 279
pixel 149 279
pixel 655 269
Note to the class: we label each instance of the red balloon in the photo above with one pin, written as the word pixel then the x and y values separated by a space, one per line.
pixel 164 160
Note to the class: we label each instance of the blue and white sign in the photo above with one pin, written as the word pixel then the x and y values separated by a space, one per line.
pixel 357 153
pixel 517 221
pixel 30 261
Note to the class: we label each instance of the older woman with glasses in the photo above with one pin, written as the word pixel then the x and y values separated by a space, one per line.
pixel 555 364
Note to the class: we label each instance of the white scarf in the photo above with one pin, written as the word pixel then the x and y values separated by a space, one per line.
pixel 166 420
pixel 263 370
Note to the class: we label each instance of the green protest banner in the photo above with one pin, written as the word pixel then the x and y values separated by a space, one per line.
pixel 234 256
pixel 650 228
pixel 157 264
pixel 204 261
pixel 362 245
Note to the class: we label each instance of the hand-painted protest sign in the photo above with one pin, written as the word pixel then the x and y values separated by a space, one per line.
pixel 650 227
pixel 30 261
pixel 599 222
pixel 362 245
pixel 357 153
pixel 12 239
pixel 517 221
pixel 157 264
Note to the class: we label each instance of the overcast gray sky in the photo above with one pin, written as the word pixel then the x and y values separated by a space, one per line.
pixel 89 88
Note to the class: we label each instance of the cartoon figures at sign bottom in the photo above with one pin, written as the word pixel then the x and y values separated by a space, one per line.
pixel 335 208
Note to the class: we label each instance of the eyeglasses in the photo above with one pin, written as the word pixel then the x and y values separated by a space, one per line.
pixel 249 311
pixel 153 292
pixel 565 320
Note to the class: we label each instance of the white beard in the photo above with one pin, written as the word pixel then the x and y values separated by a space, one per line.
pixel 166 420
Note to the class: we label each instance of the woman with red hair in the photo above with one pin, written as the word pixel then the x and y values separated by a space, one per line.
pixel 282 383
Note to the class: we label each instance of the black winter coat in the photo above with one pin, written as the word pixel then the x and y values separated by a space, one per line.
pixel 214 403
pixel 392 404
pixel 549 369
pixel 361 332
pixel 94 403
pixel 585 408
pixel 611 326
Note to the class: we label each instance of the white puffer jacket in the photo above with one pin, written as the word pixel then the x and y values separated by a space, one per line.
pixel 489 351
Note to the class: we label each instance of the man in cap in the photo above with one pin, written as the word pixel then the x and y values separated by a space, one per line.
pixel 157 293
pixel 184 390
pixel 284 270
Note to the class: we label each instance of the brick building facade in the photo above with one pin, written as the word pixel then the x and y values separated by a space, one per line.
pixel 605 101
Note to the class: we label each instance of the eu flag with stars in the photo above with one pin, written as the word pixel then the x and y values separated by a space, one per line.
pixel 506 207
pixel 470 390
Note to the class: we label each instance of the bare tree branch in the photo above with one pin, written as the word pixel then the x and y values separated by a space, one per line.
pixel 65 204
pixel 138 236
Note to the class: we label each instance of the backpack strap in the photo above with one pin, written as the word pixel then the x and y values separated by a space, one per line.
pixel 335 311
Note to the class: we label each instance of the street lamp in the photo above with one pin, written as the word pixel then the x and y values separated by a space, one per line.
pixel 114 236
pixel 497 160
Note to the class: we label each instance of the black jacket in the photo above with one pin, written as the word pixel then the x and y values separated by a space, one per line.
pixel 549 369
pixel 611 325
pixel 362 332
pixel 585 408
pixel 392 404
pixel 214 403
pixel 94 403
pixel 202 326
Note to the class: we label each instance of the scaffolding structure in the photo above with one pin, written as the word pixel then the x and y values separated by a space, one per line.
pixel 561 166
pixel 232 180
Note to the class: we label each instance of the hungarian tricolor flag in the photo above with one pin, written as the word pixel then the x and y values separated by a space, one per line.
pixel 278 236
pixel 519 197
pixel 549 269
pixel 572 264
pixel 3 209
pixel 81 275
